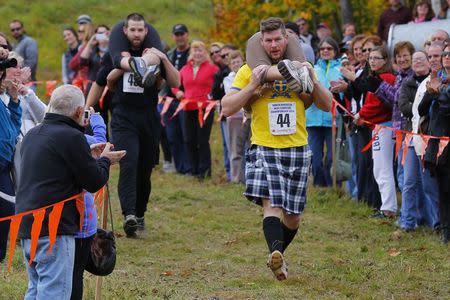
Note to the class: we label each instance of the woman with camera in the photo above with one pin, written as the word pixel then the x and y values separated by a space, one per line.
pixel 10 120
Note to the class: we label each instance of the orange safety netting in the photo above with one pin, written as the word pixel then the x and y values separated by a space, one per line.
pixel 53 222
pixel 399 133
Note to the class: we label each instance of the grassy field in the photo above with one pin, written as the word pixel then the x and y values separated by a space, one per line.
pixel 204 241
pixel 45 19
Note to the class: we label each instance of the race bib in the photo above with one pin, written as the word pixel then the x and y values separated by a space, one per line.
pixel 130 85
pixel 283 118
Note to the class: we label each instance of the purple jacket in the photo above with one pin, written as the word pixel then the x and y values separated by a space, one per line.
pixel 90 212
pixel 390 94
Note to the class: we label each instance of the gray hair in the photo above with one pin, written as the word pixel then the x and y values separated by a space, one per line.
pixel 65 100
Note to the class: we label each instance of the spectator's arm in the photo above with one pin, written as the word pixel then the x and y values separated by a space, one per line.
pixel 386 92
pixel 98 127
pixel 404 102
pixel 15 114
pixel 37 107
pixel 89 173
pixel 425 104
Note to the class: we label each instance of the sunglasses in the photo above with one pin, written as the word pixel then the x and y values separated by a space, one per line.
pixel 446 54
pixel 80 31
pixel 326 48
pixel 214 52
pixel 366 50
pixel 224 56
pixel 4 47
pixel 16 29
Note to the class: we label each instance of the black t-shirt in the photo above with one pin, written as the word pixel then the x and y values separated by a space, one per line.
pixel 106 66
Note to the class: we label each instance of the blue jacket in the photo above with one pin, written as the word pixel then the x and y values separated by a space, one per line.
pixel 10 121
pixel 325 71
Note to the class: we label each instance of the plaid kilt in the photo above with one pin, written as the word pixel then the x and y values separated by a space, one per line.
pixel 280 175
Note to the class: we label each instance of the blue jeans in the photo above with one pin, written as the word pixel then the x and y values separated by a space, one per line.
pixel 352 183
pixel 317 137
pixel 174 131
pixel 225 142
pixel 50 276
pixel 419 196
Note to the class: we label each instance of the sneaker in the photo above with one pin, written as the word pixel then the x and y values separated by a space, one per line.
pixel 382 215
pixel 150 76
pixel 278 265
pixel 168 167
pixel 140 224
pixel 130 225
pixel 138 67
pixel 298 79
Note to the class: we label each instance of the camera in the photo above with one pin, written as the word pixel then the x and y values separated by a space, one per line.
pixel 8 63
pixel 87 114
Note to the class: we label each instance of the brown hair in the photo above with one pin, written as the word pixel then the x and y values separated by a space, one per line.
pixel 374 39
pixel 430 15
pixel 403 45
pixel 356 39
pixel 387 68
pixel 272 24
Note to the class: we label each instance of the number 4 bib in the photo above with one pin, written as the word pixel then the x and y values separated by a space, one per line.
pixel 282 118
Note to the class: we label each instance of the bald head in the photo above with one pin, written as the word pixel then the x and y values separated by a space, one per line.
pixel 439 35
pixel 67 100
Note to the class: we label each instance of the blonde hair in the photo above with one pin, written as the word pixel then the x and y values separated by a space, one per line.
pixel 89 31
pixel 197 45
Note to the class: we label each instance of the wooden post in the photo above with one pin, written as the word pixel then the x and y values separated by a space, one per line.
pixel 104 221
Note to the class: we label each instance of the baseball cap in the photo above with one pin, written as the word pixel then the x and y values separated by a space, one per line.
pixel 323 25
pixel 179 28
pixel 83 19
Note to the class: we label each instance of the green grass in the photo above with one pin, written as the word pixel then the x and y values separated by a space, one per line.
pixel 45 19
pixel 204 241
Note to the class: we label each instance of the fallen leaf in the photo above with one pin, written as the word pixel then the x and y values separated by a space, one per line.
pixel 230 242
pixel 394 252
pixel 167 273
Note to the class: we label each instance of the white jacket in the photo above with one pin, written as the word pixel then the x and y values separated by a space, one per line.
pixel 417 140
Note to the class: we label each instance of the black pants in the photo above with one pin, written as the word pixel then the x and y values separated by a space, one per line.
pixel 165 146
pixel 137 131
pixel 6 207
pixel 367 186
pixel 197 142
pixel 443 177
pixel 82 250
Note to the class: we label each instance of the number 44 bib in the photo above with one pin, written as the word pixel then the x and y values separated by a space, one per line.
pixel 282 118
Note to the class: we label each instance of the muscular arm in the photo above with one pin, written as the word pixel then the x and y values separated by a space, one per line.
pixel 94 95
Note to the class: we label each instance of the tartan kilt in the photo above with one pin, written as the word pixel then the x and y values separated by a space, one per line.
pixel 280 175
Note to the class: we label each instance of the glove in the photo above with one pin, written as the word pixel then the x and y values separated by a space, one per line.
pixel 373 83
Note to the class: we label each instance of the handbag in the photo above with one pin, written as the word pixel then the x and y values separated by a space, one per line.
pixel 102 257
pixel 343 157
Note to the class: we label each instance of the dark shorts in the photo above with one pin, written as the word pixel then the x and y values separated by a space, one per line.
pixel 280 175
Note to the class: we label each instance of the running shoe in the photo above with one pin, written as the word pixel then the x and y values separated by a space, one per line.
pixel 139 68
pixel 298 78
pixel 140 224
pixel 278 265
pixel 150 76
pixel 130 226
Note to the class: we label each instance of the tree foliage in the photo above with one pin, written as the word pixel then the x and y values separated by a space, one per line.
pixel 237 20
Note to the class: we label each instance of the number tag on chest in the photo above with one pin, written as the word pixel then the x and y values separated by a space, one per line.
pixel 282 118
pixel 130 85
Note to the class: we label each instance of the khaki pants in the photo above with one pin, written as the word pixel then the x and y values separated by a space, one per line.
pixel 239 137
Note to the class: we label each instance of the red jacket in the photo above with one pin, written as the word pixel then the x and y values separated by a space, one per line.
pixel 374 110
pixel 199 87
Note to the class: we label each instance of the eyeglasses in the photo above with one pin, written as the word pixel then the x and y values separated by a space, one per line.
pixel 215 52
pixel 80 31
pixel 375 58
pixel 366 50
pixel 326 48
pixel 434 56
pixel 5 47
pixel 446 54
pixel 16 29
pixel 419 59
